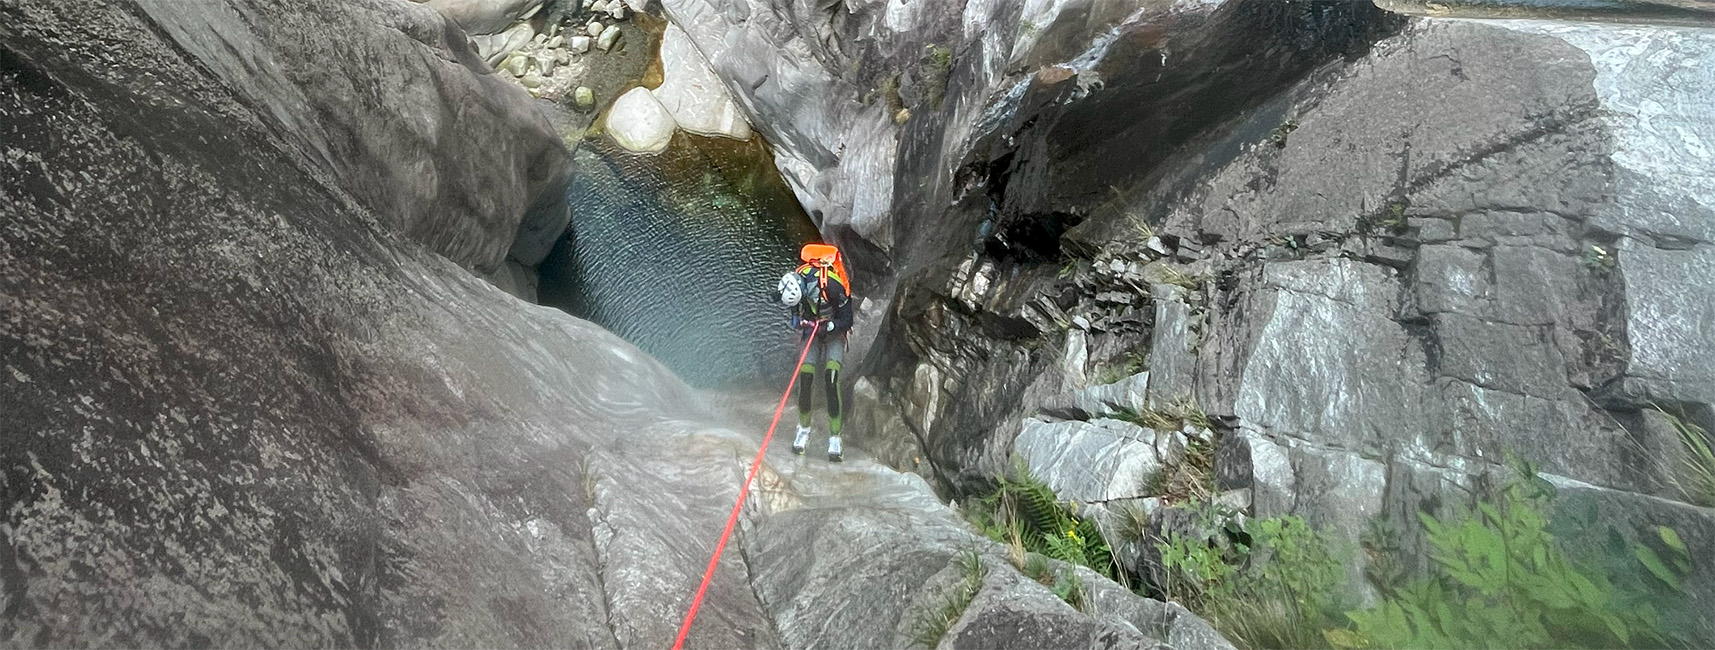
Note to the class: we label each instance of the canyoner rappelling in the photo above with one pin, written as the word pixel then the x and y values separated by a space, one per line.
pixel 819 296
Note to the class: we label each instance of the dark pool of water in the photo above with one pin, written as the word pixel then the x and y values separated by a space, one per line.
pixel 676 252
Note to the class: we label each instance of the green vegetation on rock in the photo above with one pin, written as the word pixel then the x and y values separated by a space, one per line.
pixel 1169 417
pixel 1504 569
pixel 1599 259
pixel 1023 512
pixel 1273 583
pixel 934 624
pixel 1390 219
pixel 1133 362
pixel 1038 528
pixel 937 64
pixel 1695 476
pixel 1499 575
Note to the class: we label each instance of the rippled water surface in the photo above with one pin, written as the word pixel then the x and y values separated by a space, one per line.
pixel 677 252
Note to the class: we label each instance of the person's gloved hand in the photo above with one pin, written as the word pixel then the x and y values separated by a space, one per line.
pixel 803 324
pixel 828 326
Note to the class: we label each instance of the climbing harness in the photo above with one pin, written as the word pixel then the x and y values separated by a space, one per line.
pixel 732 518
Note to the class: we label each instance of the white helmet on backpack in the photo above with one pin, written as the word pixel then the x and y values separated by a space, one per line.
pixel 791 289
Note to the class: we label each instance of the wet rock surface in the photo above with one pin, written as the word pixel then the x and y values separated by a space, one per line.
pixel 398 112
pixel 1362 257
pixel 243 410
pixel 1403 256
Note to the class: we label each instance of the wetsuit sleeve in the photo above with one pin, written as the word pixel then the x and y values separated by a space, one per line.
pixel 842 304
pixel 800 318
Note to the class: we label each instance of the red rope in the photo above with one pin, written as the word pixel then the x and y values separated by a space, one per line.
pixel 732 519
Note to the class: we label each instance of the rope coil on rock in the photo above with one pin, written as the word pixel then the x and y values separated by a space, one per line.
pixel 743 492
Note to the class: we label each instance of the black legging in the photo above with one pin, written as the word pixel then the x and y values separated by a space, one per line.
pixel 807 395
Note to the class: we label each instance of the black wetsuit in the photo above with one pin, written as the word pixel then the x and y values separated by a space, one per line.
pixel 822 305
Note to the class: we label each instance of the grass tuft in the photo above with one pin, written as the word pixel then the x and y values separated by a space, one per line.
pixel 1175 276
pixel 1172 416
pixel 934 624
pixel 1696 476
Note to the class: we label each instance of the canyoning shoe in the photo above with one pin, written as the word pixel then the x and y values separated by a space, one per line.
pixel 800 441
pixel 834 455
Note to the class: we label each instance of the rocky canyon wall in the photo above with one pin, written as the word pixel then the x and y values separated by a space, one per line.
pixel 243 406
pixel 397 109
pixel 1379 253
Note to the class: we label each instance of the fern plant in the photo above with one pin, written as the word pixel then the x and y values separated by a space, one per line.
pixel 1025 509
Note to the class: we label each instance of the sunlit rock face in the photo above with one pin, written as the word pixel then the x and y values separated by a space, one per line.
pixel 1379 268
pixel 677 252
pixel 639 123
pixel 692 92
pixel 788 65
pixel 1508 229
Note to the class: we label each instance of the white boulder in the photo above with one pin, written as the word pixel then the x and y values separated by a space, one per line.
pixel 516 64
pixel 640 123
pixel 608 37
pixel 693 94
pixel 505 43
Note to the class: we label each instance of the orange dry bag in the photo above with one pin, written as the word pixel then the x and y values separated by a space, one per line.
pixel 826 257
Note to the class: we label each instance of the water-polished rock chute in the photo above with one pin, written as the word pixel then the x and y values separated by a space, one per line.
pixel 1173 324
